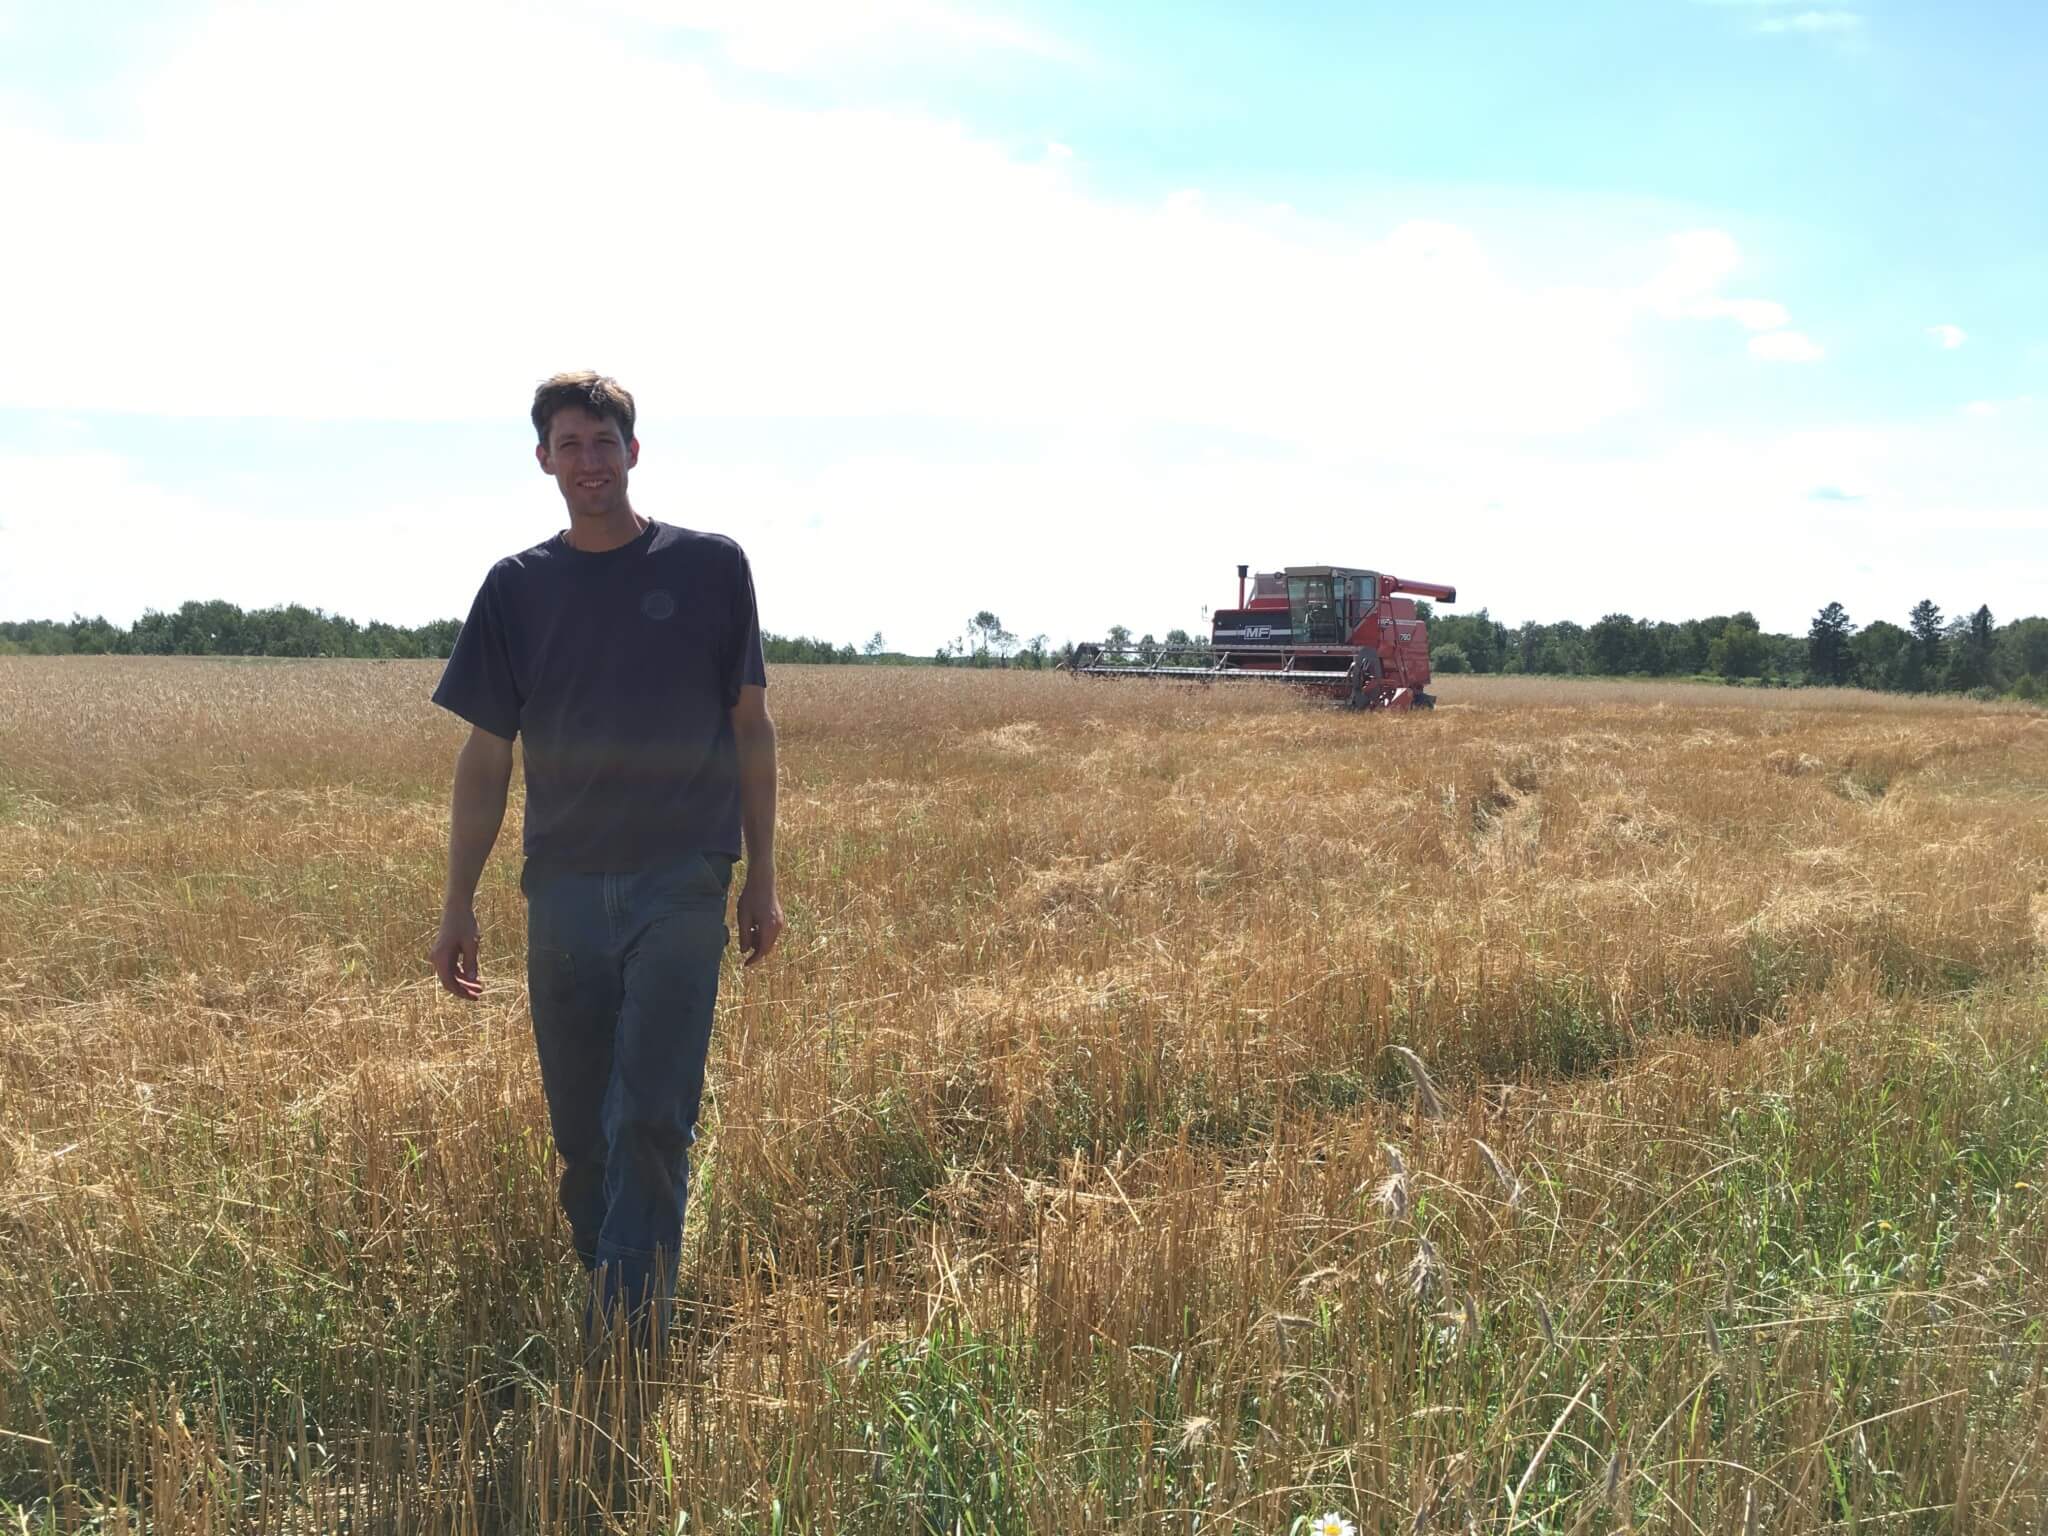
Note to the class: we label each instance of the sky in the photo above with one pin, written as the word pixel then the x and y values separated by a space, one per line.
pixel 1666 307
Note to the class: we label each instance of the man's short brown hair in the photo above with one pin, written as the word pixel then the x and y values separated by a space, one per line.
pixel 588 391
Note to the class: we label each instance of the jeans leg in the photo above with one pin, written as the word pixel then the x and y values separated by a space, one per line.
pixel 573 987
pixel 675 936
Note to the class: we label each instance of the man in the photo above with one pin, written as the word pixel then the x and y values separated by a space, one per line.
pixel 627 654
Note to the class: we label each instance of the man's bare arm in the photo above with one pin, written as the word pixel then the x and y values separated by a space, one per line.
pixel 483 776
pixel 760 914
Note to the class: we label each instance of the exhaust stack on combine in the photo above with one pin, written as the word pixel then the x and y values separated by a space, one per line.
pixel 1351 634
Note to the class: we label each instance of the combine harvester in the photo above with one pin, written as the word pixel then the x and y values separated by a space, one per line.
pixel 1352 635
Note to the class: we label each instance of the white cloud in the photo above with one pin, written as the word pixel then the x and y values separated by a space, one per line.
pixel 2025 406
pixel 1753 314
pixel 1091 527
pixel 1778 17
pixel 1688 286
pixel 791 35
pixel 381 555
pixel 1698 262
pixel 1948 337
pixel 262 244
pixel 265 245
pixel 1786 347
pixel 1812 22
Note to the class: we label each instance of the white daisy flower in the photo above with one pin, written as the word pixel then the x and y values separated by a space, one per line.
pixel 1332 1524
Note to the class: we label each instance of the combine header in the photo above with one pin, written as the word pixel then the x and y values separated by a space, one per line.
pixel 1353 635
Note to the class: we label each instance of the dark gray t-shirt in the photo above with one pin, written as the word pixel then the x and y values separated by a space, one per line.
pixel 619 670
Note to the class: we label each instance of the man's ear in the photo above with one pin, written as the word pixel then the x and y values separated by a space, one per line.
pixel 540 452
pixel 632 452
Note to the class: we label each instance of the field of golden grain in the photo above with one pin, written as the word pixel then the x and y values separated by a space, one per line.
pixel 1066 1171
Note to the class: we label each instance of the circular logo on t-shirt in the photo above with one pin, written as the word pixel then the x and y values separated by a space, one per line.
pixel 658 604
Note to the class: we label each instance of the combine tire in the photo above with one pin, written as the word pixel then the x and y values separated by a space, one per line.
pixel 1424 700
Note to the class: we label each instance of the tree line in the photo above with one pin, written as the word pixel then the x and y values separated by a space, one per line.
pixel 984 642
pixel 225 629
pixel 1929 653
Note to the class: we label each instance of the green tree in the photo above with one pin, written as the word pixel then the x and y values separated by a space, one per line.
pixel 1650 652
pixel 1910 675
pixel 151 634
pixel 805 648
pixel 1925 624
pixel 1560 649
pixel 1484 642
pixel 1970 653
pixel 2022 649
pixel 1615 644
pixel 1663 647
pixel 989 638
pixel 1690 642
pixel 1739 650
pixel 438 637
pixel 1828 659
pixel 94 636
pixel 1878 655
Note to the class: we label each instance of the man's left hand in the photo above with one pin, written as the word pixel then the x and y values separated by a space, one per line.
pixel 759 918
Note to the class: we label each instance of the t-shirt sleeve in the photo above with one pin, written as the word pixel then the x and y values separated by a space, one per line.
pixel 743 657
pixel 478 683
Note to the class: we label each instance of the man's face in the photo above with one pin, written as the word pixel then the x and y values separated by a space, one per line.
pixel 589 457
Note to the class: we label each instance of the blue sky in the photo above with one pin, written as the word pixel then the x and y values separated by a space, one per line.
pixel 1668 306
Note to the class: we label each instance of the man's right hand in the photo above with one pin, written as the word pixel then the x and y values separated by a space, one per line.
pixel 455 954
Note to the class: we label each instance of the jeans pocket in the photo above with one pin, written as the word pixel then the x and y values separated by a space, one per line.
pixel 697 883
pixel 534 878
pixel 551 976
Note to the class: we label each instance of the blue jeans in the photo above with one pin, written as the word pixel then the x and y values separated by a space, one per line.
pixel 622 970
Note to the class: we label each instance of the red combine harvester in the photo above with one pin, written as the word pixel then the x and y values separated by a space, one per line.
pixel 1351 634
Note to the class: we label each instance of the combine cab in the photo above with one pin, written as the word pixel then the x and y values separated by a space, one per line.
pixel 1351 634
